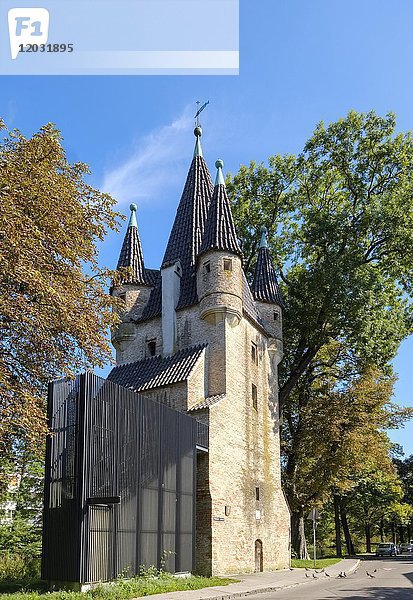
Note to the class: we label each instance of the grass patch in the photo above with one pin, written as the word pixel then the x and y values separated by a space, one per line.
pixel 298 563
pixel 121 589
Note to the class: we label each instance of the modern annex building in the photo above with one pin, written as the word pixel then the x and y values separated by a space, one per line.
pixel 198 337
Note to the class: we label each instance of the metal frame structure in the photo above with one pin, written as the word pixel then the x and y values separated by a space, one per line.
pixel 120 483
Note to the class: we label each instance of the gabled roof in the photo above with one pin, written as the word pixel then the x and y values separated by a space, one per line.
pixel 157 371
pixel 131 255
pixel 220 231
pixel 265 287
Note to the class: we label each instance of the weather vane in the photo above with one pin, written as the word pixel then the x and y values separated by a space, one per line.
pixel 198 112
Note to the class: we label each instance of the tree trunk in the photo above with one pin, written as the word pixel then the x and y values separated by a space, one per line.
pixel 401 534
pixel 381 529
pixel 299 542
pixel 367 531
pixel 296 373
pixel 346 531
pixel 393 533
pixel 339 550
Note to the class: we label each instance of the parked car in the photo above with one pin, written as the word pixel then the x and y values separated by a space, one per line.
pixel 386 549
pixel 406 547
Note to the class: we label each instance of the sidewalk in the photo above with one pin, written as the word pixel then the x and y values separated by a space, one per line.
pixel 256 583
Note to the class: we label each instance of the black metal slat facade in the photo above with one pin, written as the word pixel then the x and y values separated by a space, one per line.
pixel 120 483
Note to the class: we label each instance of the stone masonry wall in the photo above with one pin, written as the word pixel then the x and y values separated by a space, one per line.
pixel 218 288
pixel 137 348
pixel 244 441
pixel 243 456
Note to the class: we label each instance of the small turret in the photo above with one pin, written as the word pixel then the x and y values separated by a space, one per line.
pixel 219 268
pixel 134 287
pixel 267 294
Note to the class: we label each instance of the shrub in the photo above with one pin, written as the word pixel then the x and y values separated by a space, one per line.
pixel 16 567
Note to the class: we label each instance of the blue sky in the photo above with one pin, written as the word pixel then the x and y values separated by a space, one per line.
pixel 300 62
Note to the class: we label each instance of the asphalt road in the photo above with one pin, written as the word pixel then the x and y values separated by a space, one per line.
pixel 393 580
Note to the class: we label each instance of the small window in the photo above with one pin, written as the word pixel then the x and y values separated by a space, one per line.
pixel 254 353
pixel 276 315
pixel 257 493
pixel 151 345
pixel 254 396
pixel 207 267
pixel 227 264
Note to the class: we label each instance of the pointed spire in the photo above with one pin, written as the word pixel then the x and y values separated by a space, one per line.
pixel 198 147
pixel 265 287
pixel 189 225
pixel 263 242
pixel 131 253
pixel 220 231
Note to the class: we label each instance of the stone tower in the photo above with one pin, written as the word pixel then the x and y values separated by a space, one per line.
pixel 197 336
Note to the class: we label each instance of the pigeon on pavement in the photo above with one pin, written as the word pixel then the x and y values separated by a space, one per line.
pixel 370 575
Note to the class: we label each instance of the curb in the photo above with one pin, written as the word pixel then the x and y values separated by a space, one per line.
pixel 265 590
pixel 356 566
pixel 272 588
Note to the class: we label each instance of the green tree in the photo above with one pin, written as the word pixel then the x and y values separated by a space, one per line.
pixel 329 435
pixel 405 471
pixel 340 219
pixel 340 222
pixel 54 309
pixel 375 492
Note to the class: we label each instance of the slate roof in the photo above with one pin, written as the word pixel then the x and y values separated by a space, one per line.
pixel 220 231
pixel 188 228
pixel 207 402
pixel 131 255
pixel 157 371
pixel 265 287
pixel 249 306
pixel 203 221
pixel 152 276
pixel 154 306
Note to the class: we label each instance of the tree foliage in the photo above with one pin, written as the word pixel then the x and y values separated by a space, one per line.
pixel 332 437
pixel 405 471
pixel 330 434
pixel 340 219
pixel 340 222
pixel 54 310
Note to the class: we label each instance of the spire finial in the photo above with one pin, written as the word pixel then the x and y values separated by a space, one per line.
pixel 198 128
pixel 132 221
pixel 198 112
pixel 219 180
pixel 198 147
pixel 263 243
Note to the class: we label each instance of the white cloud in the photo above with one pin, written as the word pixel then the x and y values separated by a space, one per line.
pixel 155 164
